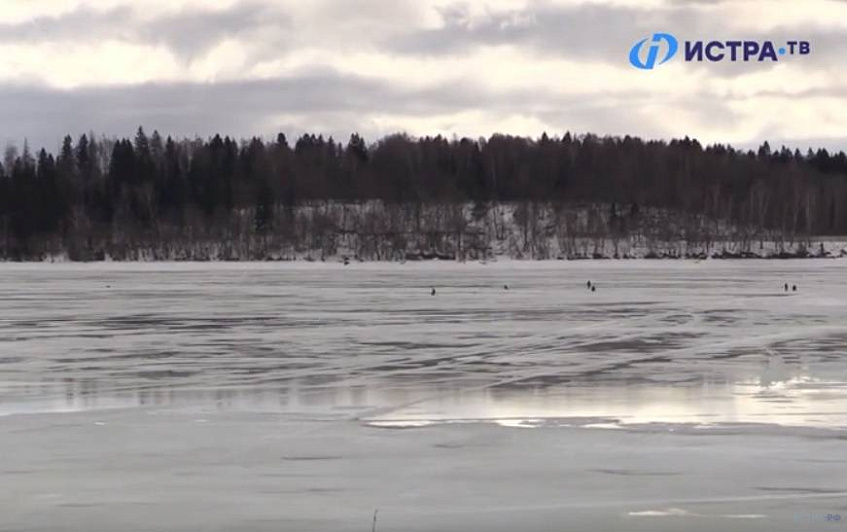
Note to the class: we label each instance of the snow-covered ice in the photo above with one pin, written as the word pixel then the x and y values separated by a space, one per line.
pixel 302 397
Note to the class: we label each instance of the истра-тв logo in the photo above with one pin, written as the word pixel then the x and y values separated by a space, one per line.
pixel 665 45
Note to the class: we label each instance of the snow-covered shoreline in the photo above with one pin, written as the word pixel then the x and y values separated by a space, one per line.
pixel 833 250
pixel 463 232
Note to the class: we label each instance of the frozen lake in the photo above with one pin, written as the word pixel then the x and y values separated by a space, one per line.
pixel 302 397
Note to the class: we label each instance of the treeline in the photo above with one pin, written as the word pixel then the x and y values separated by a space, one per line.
pixel 104 189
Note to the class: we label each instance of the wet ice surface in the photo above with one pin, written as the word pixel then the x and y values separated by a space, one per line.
pixel 270 397
pixel 660 342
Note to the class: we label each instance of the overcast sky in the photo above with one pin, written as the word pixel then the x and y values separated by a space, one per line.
pixel 469 68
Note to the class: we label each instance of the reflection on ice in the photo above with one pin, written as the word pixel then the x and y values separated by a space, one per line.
pixel 800 401
pixel 678 512
pixel 797 401
pixel 699 344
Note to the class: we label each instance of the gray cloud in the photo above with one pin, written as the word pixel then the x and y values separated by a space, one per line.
pixel 587 31
pixel 605 33
pixel 43 115
pixel 190 33
pixel 696 2
pixel 584 30
pixel 339 104
pixel 187 33
pixel 321 99
pixel 590 31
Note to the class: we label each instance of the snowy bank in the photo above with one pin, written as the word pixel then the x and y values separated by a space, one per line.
pixel 377 231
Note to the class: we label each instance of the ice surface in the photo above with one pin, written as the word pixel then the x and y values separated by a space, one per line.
pixel 304 396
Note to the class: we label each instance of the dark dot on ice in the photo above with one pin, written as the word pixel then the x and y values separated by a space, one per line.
pixel 588 284
pixel 593 288
pixel 433 292
pixel 794 288
pixel 505 287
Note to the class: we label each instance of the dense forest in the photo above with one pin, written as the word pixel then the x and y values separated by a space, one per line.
pixel 101 196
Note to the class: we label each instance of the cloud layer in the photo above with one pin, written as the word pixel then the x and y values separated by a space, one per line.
pixel 255 67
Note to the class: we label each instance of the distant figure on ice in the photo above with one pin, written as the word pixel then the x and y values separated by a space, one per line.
pixel 505 287
pixel 588 284
pixel 794 288
pixel 593 288
pixel 786 287
pixel 433 292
